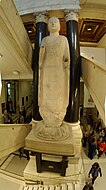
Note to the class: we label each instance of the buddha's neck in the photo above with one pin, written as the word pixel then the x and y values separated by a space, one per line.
pixel 54 34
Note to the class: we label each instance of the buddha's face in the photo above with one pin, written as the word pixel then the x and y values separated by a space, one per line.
pixel 53 24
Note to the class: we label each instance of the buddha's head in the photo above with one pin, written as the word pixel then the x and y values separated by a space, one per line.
pixel 53 25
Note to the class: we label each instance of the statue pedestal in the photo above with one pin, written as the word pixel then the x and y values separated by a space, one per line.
pixel 56 146
pixel 53 153
pixel 67 150
pixel 60 144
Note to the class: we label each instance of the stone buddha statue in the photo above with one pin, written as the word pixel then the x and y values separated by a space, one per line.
pixel 54 60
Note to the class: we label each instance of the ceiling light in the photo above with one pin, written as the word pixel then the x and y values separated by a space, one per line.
pixel 89 29
pixel 1 55
pixel 29 31
pixel 16 72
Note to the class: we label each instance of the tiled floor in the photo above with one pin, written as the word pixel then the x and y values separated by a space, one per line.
pixel 10 183
pixel 100 183
pixel 17 165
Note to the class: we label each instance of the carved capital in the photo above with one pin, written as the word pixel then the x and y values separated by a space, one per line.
pixel 71 15
pixel 41 16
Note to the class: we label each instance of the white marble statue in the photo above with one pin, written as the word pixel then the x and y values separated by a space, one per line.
pixel 54 62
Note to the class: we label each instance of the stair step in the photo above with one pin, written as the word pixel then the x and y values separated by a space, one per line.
pixel 68 186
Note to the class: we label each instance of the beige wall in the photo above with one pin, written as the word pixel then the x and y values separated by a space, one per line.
pixel 3 92
pixel 102 42
pixel 97 54
pixel 25 89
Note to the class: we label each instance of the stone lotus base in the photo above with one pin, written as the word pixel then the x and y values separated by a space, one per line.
pixel 56 145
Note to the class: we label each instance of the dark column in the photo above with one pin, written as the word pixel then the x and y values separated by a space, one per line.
pixel 39 162
pixel 41 29
pixel 72 114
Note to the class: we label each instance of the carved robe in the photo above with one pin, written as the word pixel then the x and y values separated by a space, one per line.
pixel 54 62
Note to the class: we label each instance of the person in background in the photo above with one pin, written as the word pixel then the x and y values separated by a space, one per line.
pixel 102 133
pixel 29 116
pixel 88 186
pixel 94 171
pixel 102 148
pixel 6 119
pixel 20 118
pixel 99 141
pixel 85 138
pixel 10 107
pixel 24 114
pixel 98 126
pixel 91 136
pixel 92 147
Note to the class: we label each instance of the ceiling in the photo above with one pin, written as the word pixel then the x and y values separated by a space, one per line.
pixel 15 46
pixel 92 21
pixel 92 24
pixel 102 2
pixel 90 30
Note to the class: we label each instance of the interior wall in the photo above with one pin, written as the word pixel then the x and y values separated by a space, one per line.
pixel 97 54
pixel 81 93
pixel 25 91
pixel 93 11
pixel 102 42
pixel 3 93
pixel 88 102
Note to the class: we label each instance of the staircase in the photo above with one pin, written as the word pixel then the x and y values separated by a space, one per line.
pixel 12 137
pixel 94 76
pixel 68 186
